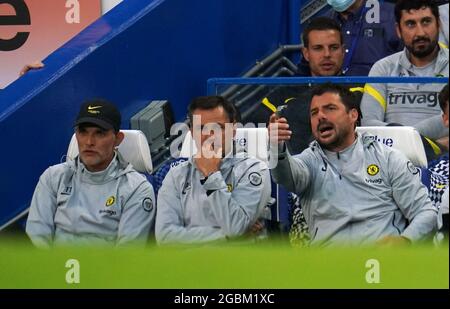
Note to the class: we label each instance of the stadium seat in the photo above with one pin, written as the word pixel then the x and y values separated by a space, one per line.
pixel 134 149
pixel 405 139
pixel 161 173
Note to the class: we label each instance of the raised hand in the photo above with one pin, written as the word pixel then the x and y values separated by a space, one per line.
pixel 278 130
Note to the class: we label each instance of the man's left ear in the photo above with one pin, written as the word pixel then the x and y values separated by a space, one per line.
pixel 354 114
pixel 119 138
pixel 398 31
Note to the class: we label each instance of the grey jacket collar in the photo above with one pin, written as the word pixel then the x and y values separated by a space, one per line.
pixel 364 139
pixel 441 62
pixel 230 160
pixel 116 168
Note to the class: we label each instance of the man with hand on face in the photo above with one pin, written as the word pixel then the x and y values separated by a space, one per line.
pixel 217 194
pixel 96 199
pixel 353 189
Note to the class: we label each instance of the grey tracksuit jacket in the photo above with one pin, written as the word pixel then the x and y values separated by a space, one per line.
pixel 73 206
pixel 358 195
pixel 194 210
pixel 413 105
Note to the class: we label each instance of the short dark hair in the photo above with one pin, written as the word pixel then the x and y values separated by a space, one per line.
pixel 443 97
pixel 320 23
pixel 211 102
pixel 347 97
pixel 408 5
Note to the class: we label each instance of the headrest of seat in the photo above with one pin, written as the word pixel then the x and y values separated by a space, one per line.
pixel 254 141
pixel 134 149
pixel 405 139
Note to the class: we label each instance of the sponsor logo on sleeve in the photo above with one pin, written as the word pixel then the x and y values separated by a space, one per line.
pixel 147 204
pixel 255 178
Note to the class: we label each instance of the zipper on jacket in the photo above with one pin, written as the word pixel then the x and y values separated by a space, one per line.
pixel 393 224
pixel 325 165
pixel 315 233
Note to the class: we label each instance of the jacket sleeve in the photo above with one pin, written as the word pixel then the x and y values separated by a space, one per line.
pixel 40 225
pixel 432 127
pixel 373 103
pixel 170 227
pixel 290 172
pixel 138 216
pixel 235 211
pixel 411 197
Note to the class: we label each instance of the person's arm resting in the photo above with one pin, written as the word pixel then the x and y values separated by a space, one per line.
pixel 138 216
pixel 40 223
pixel 170 227
pixel 235 211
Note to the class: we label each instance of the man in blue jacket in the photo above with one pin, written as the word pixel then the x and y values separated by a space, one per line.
pixel 367 38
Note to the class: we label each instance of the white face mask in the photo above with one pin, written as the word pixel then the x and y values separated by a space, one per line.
pixel 340 5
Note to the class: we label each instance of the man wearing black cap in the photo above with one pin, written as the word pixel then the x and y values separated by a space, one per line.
pixel 102 119
pixel 98 198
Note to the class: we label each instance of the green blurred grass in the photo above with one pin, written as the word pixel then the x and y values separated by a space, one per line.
pixel 266 265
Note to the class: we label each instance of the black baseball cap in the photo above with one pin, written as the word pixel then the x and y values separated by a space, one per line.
pixel 101 113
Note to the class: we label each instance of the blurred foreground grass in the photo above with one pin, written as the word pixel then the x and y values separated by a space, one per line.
pixel 272 264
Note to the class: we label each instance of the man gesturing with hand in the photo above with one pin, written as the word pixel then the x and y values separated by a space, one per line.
pixel 353 189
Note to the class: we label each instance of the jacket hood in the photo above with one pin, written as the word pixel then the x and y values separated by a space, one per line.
pixel 366 140
pixel 441 61
pixel 116 168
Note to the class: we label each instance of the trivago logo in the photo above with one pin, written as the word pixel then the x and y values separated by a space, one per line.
pixel 388 141
pixel 413 98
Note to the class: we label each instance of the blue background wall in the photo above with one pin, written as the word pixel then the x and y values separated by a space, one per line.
pixel 140 51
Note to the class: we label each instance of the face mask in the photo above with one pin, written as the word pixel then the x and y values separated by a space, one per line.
pixel 340 5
